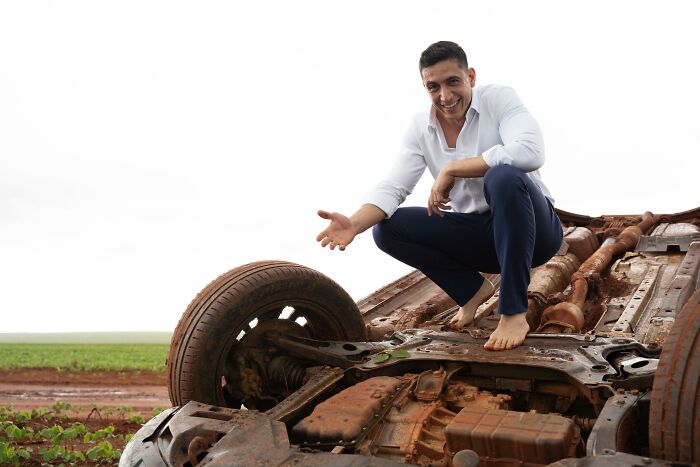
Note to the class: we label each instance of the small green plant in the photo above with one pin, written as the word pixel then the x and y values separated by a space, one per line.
pixel 60 409
pixel 73 456
pixel 60 453
pixel 102 433
pixel 5 413
pixel 73 431
pixel 103 451
pixel 54 433
pixel 58 442
pixel 52 453
pixel 21 417
pixel 124 409
pixel 42 413
pixel 13 456
pixel 136 418
pixel 14 432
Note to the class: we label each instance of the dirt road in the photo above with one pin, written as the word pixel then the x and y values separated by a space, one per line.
pixel 31 388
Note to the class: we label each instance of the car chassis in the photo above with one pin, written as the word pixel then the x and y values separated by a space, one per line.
pixel 415 391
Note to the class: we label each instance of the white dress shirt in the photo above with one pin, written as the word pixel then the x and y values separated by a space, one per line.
pixel 498 127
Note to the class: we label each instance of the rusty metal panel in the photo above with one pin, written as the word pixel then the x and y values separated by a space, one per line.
pixel 627 321
pixel 343 416
pixel 414 432
pixel 539 438
pixel 684 283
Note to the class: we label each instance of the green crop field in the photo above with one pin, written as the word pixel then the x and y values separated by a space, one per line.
pixel 84 357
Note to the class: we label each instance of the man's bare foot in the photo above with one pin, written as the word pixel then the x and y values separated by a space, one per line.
pixel 466 313
pixel 509 333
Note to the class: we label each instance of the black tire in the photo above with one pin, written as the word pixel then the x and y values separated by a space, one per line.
pixel 674 418
pixel 209 332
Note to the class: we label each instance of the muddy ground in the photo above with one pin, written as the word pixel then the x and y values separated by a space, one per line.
pixel 40 387
pixel 98 399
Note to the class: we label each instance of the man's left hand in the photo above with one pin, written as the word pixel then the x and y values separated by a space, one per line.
pixel 440 194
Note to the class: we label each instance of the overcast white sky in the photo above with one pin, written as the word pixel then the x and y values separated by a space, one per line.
pixel 147 147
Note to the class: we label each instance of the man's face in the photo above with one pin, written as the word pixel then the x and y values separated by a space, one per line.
pixel 450 88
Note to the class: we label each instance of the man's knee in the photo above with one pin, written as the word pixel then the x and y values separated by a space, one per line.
pixel 503 178
pixel 394 229
pixel 382 235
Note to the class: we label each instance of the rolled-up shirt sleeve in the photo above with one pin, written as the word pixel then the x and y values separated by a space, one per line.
pixel 403 176
pixel 523 144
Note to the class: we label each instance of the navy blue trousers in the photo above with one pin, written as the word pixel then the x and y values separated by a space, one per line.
pixel 520 231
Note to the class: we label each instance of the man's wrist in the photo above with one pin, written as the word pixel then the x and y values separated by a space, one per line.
pixel 354 226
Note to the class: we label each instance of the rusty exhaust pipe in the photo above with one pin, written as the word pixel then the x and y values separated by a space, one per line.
pixel 552 277
pixel 568 316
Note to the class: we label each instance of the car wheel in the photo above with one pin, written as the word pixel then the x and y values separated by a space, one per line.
pixel 206 362
pixel 674 418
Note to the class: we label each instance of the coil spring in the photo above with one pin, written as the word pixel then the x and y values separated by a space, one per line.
pixel 286 373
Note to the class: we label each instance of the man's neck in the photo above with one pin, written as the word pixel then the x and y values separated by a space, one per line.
pixel 452 124
pixel 451 129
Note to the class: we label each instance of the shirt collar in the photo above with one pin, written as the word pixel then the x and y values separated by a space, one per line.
pixel 433 122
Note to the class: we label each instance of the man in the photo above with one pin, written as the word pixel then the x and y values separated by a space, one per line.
pixel 483 148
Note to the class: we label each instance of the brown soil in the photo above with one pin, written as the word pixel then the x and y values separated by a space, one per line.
pixel 97 399
pixel 27 388
pixel 96 378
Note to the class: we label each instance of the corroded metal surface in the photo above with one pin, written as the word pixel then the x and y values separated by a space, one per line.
pixel 384 301
pixel 607 435
pixel 548 279
pixel 569 316
pixel 627 321
pixel 685 281
pixel 581 242
pixel 518 436
pixel 413 432
pixel 319 382
pixel 344 416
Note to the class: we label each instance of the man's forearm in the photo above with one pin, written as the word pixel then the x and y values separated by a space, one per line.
pixel 367 216
pixel 467 168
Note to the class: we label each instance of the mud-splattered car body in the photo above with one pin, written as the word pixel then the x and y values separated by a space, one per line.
pixel 267 373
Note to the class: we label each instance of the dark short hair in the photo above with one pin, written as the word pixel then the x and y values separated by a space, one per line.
pixel 443 50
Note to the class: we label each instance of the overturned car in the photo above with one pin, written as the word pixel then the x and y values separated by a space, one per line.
pixel 274 364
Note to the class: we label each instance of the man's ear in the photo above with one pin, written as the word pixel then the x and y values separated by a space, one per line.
pixel 471 74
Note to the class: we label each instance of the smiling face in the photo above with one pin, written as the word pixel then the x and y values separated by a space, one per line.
pixel 450 88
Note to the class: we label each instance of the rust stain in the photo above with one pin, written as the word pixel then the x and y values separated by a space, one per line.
pixel 343 416
pixel 568 316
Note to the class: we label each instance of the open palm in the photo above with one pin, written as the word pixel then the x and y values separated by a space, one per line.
pixel 340 232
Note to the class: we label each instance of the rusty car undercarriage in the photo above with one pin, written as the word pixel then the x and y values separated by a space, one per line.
pixel 274 364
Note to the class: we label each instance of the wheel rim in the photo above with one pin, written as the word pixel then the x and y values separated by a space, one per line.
pixel 305 319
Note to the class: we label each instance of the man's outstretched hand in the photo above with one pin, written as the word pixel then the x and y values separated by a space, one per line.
pixel 339 233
